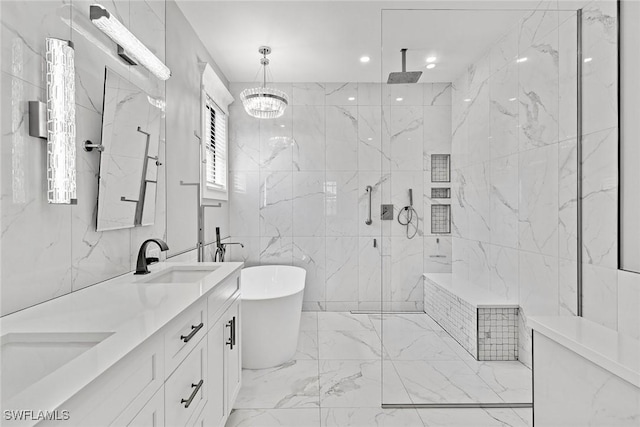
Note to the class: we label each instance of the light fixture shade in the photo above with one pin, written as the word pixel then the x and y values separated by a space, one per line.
pixel 113 28
pixel 264 102
pixel 61 121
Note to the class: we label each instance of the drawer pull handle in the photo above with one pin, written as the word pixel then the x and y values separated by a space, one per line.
pixel 188 401
pixel 231 342
pixel 194 331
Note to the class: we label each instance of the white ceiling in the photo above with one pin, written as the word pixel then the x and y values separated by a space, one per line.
pixel 322 41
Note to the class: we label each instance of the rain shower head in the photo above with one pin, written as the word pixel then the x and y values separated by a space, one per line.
pixel 404 76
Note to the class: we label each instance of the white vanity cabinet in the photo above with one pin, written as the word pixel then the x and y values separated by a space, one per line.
pixel 119 394
pixel 233 356
pixel 225 368
pixel 187 374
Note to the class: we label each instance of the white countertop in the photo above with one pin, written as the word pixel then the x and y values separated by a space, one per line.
pixel 615 352
pixel 474 295
pixel 131 310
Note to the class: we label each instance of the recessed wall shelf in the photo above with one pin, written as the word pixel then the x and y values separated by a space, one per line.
pixel 441 193
pixel 440 170
pixel 440 219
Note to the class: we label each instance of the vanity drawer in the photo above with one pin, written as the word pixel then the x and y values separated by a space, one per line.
pixel 125 388
pixel 183 334
pixel 186 389
pixel 221 295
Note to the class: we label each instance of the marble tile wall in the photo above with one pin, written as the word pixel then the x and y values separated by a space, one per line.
pixel 52 250
pixel 455 315
pixel 185 53
pixel 514 168
pixel 298 189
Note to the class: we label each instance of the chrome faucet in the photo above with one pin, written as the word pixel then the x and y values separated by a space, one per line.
pixel 143 261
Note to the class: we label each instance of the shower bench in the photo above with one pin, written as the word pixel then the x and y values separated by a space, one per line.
pixel 483 323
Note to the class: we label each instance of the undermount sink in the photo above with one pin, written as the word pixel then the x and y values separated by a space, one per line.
pixel 180 275
pixel 29 357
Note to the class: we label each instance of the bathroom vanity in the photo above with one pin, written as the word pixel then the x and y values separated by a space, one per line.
pixel 161 349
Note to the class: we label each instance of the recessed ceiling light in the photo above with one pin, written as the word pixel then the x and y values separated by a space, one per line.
pixel 467 100
pixel 588 59
pixel 364 59
pixel 281 126
pixel 399 99
pixel 430 66
pixel 369 139
pixel 512 99
pixel 521 59
pixel 351 98
pixel 431 59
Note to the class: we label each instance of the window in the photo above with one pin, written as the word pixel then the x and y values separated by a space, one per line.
pixel 215 146
pixel 214 136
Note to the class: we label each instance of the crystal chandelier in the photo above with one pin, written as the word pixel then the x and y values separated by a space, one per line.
pixel 264 102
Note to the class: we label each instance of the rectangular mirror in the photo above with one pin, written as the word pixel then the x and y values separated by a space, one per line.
pixel 629 209
pixel 129 163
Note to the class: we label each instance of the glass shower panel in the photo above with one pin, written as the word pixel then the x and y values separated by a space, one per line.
pixel 479 165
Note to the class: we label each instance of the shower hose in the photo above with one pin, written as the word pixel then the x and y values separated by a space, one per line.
pixel 406 217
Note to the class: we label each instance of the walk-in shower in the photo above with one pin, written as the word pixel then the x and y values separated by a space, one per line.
pixel 487 141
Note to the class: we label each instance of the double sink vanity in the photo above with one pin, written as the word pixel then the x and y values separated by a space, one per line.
pixel 161 349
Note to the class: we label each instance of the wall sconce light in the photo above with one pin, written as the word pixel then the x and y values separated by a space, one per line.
pixel 129 47
pixel 59 129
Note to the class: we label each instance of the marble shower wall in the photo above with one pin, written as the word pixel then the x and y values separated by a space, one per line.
pixel 52 250
pixel 610 295
pixel 514 165
pixel 298 189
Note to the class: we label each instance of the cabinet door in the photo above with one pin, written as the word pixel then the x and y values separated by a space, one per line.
pixel 151 415
pixel 233 355
pixel 186 389
pixel 216 409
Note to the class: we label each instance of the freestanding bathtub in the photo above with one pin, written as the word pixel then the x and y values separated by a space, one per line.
pixel 271 309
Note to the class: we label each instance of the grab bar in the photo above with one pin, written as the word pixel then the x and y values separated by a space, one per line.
pixel 368 221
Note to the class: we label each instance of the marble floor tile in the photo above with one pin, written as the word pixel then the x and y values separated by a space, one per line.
pixel 460 351
pixel 356 384
pixel 348 345
pixel 400 323
pixel 510 380
pixel 274 418
pixel 291 385
pixel 440 382
pixel 369 417
pixel 342 321
pixel 470 418
pixel 425 346
pixel 309 321
pixel 335 378
pixel 307 346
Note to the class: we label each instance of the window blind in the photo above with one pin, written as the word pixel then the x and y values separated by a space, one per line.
pixel 216 146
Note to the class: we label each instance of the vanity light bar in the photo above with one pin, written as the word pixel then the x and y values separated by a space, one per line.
pixel 61 121
pixel 128 42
